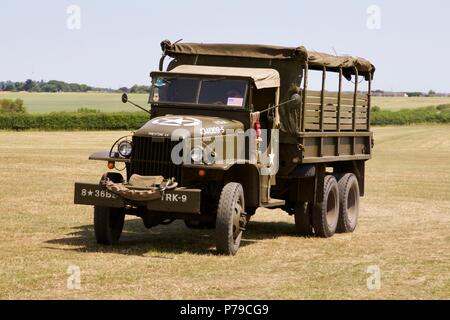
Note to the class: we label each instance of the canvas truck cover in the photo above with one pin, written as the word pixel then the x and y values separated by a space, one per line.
pixel 315 60
pixel 263 78
pixel 287 61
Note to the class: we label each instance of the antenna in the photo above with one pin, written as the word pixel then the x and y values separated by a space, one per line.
pixel 335 53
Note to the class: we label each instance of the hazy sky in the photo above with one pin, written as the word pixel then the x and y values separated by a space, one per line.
pixel 117 43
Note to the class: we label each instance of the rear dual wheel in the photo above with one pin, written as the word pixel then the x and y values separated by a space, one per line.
pixel 348 203
pixel 339 210
pixel 326 213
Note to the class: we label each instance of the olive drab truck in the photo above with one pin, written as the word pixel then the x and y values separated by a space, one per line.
pixel 236 127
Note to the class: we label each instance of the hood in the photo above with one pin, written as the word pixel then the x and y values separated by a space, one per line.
pixel 193 126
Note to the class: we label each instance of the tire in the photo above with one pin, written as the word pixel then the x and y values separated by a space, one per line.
pixel 229 223
pixel 326 213
pixel 108 224
pixel 302 217
pixel 348 203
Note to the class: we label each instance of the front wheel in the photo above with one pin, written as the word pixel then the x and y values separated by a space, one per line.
pixel 108 224
pixel 230 219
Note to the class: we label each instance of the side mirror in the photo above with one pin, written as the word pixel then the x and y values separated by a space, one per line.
pixel 124 98
pixel 296 98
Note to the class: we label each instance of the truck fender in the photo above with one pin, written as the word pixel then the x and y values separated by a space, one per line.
pixel 248 176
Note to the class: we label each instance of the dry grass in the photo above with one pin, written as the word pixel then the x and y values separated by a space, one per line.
pixel 404 229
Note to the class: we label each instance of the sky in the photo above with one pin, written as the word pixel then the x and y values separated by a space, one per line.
pixel 117 43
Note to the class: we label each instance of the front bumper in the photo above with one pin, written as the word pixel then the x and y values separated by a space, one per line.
pixel 179 200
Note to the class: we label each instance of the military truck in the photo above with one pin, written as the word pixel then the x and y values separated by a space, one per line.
pixel 236 127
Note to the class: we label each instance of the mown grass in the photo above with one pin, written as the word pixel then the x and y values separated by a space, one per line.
pixel 404 229
pixel 398 103
pixel 72 101
pixel 110 102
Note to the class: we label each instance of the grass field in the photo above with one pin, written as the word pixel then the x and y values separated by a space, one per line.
pixel 398 103
pixel 404 229
pixel 48 102
pixel 110 102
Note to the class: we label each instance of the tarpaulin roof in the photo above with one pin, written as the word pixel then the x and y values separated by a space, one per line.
pixel 263 78
pixel 316 60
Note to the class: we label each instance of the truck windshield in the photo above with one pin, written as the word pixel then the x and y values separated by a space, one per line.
pixel 213 91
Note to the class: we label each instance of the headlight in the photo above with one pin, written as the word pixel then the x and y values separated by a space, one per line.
pixel 197 155
pixel 124 148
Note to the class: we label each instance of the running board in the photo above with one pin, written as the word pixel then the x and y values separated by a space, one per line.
pixel 273 203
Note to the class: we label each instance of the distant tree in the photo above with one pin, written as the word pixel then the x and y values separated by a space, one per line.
pixel 124 89
pixel 57 86
pixel 85 88
pixel 139 89
pixel 49 87
pixel 431 93
pixel 28 85
pixel 18 86
pixel 9 86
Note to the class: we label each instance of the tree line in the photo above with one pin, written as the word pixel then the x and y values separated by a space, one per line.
pixel 61 86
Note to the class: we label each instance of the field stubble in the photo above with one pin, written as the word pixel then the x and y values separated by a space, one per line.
pixel 404 229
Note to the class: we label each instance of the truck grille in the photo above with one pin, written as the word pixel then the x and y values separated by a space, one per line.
pixel 151 157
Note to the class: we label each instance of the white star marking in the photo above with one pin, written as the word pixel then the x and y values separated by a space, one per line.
pixel 177 121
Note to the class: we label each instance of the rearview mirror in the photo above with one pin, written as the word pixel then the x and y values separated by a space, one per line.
pixel 124 98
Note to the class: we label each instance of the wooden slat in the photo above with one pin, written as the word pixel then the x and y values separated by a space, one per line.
pixel 329 127
pixel 310 120
pixel 334 100
pixel 349 114
pixel 311 106
pixel 330 94
pixel 329 105
pixel 350 108
pixel 316 100
pixel 346 121
pixel 312 113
